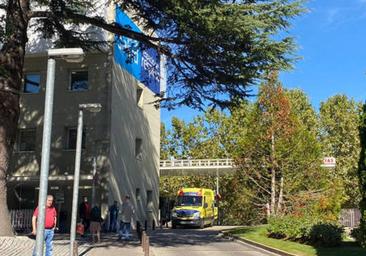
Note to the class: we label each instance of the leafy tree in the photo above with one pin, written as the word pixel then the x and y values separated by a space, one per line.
pixel 302 108
pixel 281 156
pixel 339 117
pixel 164 142
pixel 361 237
pixel 202 138
pixel 215 49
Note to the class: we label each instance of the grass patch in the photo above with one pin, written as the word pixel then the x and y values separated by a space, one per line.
pixel 259 234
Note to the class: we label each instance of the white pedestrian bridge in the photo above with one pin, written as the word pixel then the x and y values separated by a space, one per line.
pixel 181 167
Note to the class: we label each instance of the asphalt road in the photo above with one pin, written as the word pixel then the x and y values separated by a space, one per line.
pixel 199 242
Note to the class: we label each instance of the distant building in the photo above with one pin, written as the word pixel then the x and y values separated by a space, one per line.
pixel 124 137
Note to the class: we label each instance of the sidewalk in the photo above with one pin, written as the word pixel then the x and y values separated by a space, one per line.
pixel 109 246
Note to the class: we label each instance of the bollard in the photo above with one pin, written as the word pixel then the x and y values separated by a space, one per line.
pixel 147 246
pixel 75 249
pixel 143 241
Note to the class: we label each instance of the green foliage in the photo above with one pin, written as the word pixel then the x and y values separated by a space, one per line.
pixel 326 234
pixel 258 234
pixel 290 227
pixel 243 134
pixel 339 136
pixel 305 229
pixel 164 142
pixel 361 233
pixel 301 107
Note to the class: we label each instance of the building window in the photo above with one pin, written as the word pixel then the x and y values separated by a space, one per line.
pixel 138 194
pixel 139 97
pixel 71 134
pixel 27 140
pixel 32 83
pixel 149 201
pixel 79 81
pixel 138 148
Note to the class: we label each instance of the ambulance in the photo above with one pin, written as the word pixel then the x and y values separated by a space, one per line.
pixel 194 207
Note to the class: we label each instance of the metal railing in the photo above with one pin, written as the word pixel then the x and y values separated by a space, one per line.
pixel 350 217
pixel 196 163
pixel 21 220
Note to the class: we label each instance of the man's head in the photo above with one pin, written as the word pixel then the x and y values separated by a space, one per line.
pixel 127 198
pixel 85 199
pixel 115 202
pixel 49 201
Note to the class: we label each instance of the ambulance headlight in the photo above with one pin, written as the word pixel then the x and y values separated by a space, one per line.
pixel 174 214
pixel 196 215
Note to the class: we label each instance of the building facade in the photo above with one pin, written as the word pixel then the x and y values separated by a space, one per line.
pixel 120 150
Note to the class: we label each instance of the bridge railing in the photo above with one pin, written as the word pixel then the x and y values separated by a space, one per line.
pixel 197 163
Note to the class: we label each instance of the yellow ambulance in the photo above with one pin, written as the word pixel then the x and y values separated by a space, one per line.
pixel 194 207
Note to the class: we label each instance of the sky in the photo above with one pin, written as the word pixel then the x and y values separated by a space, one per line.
pixel 331 39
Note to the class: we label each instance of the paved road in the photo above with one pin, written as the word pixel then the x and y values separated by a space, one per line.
pixel 199 242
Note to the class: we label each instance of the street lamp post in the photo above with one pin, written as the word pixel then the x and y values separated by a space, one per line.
pixel 75 195
pixel 70 55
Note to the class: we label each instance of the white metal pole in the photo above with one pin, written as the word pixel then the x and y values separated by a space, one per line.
pixel 94 181
pixel 75 194
pixel 46 145
pixel 217 193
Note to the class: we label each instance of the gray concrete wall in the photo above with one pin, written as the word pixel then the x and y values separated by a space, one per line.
pixel 65 115
pixel 110 135
pixel 128 122
pixel 65 111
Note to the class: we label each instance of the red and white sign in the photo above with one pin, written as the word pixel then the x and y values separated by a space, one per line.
pixel 329 162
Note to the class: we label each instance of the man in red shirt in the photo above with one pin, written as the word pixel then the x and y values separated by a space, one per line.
pixel 49 224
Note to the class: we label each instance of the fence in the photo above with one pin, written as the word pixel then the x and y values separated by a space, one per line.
pixel 21 220
pixel 215 163
pixel 350 217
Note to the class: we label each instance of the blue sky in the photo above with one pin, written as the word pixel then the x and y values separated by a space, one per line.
pixel 331 40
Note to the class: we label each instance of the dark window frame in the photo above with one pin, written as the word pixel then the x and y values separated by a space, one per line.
pixel 68 145
pixel 138 148
pixel 139 97
pixel 70 86
pixel 19 140
pixel 25 82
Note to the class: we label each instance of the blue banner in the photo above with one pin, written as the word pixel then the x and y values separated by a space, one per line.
pixel 143 64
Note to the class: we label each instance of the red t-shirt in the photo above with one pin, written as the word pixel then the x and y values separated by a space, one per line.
pixel 51 214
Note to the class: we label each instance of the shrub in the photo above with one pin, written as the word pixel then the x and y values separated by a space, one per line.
pixel 359 235
pixel 290 227
pixel 326 234
pixel 305 229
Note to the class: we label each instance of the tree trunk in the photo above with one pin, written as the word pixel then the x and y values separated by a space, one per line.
pixel 273 178
pixel 11 73
pixel 280 197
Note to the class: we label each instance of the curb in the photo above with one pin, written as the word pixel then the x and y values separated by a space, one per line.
pixel 262 246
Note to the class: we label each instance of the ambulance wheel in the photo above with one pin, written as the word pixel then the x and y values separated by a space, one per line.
pixel 212 222
pixel 202 224
pixel 174 225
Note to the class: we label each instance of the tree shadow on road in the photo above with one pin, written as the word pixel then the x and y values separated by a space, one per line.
pixel 185 236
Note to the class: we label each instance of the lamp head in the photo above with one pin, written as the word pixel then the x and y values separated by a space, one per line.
pixel 73 55
pixel 91 107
